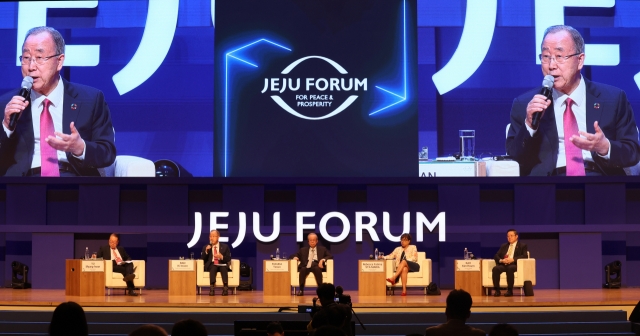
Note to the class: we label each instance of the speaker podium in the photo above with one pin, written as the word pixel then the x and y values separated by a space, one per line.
pixel 182 277
pixel 84 277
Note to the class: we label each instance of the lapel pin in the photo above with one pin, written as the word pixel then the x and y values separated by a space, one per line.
pixel 596 106
pixel 75 106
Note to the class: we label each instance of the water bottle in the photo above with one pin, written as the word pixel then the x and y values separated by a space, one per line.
pixel 86 253
pixel 375 254
pixel 277 253
pixel 466 254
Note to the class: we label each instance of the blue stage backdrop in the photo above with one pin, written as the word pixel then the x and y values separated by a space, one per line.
pixel 466 60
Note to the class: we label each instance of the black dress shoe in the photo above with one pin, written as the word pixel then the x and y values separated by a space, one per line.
pixel 508 293
pixel 497 293
pixel 300 293
pixel 225 291
pixel 212 292
pixel 129 277
pixel 131 292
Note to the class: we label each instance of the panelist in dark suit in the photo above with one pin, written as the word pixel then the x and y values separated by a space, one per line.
pixel 217 257
pixel 63 128
pixel 506 261
pixel 312 260
pixel 587 128
pixel 119 256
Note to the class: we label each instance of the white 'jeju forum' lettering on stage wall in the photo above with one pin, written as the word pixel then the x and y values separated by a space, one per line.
pixel 364 220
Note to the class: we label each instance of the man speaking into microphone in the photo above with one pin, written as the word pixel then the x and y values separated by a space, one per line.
pixel 583 129
pixel 59 128
pixel 217 257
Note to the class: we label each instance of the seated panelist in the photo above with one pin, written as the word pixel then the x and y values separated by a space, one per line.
pixel 506 261
pixel 119 257
pixel 406 257
pixel 59 128
pixel 217 257
pixel 312 260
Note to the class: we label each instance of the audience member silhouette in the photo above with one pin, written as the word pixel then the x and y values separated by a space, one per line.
pixel 274 329
pixel 188 327
pixel 68 320
pixel 458 311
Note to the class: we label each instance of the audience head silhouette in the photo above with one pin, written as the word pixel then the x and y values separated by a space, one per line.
pixel 148 330
pixel 68 320
pixel 458 305
pixel 326 292
pixel 188 327
pixel 274 329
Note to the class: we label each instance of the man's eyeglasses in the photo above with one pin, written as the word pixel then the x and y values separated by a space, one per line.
pixel 39 60
pixel 546 59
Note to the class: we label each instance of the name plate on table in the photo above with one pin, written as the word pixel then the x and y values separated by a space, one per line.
pixel 93 265
pixel 452 169
pixel 277 266
pixel 372 266
pixel 468 265
pixel 182 265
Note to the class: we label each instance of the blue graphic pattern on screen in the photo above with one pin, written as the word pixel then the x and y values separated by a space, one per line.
pixel 230 56
pixel 304 101
pixel 400 96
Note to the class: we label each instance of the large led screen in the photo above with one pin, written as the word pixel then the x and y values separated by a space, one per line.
pixel 315 88
pixel 335 88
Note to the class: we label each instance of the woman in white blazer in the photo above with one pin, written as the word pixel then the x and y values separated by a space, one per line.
pixel 406 257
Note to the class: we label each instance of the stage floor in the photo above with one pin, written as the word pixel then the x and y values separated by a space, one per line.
pixel 254 301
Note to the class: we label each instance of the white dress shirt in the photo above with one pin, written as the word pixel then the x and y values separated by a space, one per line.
pixel 56 97
pixel 579 108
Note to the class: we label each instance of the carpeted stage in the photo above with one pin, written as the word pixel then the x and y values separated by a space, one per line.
pixel 254 301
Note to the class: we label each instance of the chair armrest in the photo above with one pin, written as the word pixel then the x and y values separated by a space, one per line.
pixel 293 271
pixel 527 268
pixel 390 266
pixel 133 166
pixel 425 268
pixel 487 271
pixel 199 268
pixel 235 265
pixel 329 266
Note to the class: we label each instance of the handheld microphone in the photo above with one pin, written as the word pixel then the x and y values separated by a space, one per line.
pixel 547 84
pixel 27 83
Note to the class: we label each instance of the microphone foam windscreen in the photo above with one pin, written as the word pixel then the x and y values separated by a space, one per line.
pixel 548 81
pixel 27 82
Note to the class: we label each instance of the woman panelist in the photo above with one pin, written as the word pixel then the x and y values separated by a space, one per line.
pixel 406 257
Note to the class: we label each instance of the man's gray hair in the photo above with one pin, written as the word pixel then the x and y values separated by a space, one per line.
pixel 216 231
pixel 578 41
pixel 57 38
